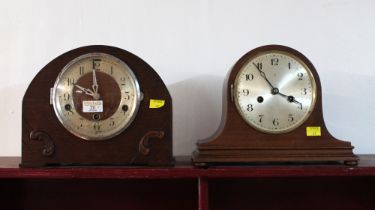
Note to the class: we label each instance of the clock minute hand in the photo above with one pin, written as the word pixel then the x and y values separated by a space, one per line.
pixel 263 75
pixel 95 85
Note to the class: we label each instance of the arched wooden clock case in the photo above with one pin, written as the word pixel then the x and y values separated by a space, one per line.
pixel 146 141
pixel 237 142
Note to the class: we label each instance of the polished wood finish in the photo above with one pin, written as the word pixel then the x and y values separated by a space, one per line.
pixel 46 142
pixel 186 187
pixel 237 142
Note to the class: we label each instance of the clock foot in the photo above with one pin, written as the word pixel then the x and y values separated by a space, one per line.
pixel 202 165
pixel 351 162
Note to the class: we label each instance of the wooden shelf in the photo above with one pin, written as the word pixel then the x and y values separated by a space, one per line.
pixel 187 187
pixel 9 169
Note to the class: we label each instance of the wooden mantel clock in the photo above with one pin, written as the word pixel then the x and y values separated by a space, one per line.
pixel 272 113
pixel 97 105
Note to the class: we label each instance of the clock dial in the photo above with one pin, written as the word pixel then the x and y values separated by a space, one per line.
pixel 274 92
pixel 96 96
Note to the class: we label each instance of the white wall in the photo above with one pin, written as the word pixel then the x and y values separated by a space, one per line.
pixel 192 45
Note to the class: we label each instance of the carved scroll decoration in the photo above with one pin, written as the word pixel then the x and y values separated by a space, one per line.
pixel 49 147
pixel 144 143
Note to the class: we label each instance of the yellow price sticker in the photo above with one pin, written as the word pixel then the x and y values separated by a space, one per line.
pixel 313 131
pixel 156 103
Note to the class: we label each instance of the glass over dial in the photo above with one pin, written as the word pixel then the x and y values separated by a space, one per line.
pixel 274 92
pixel 96 96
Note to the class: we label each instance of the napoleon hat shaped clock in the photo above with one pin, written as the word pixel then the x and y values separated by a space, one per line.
pixel 97 105
pixel 273 113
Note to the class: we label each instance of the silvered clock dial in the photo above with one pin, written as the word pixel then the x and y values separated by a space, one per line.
pixel 274 92
pixel 96 96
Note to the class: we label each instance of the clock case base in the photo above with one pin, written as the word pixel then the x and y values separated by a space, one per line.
pixel 224 150
pixel 238 143
pixel 146 142
pixel 208 157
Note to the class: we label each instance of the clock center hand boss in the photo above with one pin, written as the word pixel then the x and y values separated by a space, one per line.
pixel 275 90
pixel 95 85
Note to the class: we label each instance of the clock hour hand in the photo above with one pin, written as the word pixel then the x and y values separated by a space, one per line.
pixel 85 90
pixel 95 85
pixel 291 99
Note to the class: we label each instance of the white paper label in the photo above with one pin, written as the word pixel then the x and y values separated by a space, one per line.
pixel 92 106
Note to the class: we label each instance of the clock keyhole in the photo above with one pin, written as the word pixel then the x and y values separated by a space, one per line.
pixel 96 117
pixel 68 107
pixel 125 108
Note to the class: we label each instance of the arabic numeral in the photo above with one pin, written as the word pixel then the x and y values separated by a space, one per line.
pixel 127 95
pixel 300 76
pixel 304 91
pixel 81 70
pixel 250 107
pixel 70 81
pixel 96 63
pixel 245 92
pixel 82 121
pixel 66 96
pixel 249 77
pixel 97 126
pixel 112 123
pixel 260 118
pixel 274 61
pixel 290 118
pixel 276 122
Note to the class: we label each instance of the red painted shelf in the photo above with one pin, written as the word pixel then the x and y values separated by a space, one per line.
pixel 186 187
pixel 9 169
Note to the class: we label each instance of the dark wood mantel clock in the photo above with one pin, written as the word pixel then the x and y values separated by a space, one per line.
pixel 97 105
pixel 272 113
